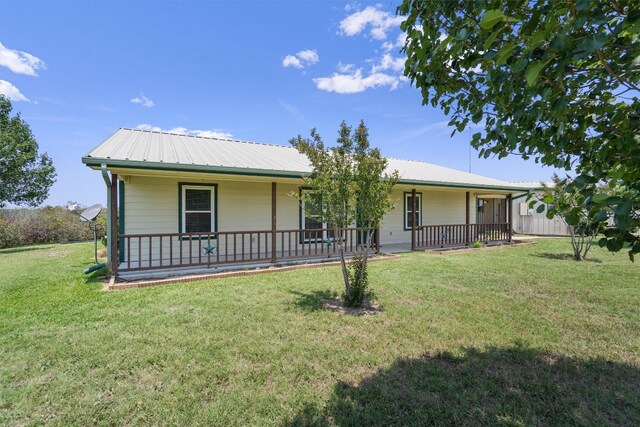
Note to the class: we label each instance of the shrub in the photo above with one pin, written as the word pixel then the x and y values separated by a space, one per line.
pixel 358 283
pixel 477 244
pixel 51 224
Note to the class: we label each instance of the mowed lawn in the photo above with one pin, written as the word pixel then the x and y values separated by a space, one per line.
pixel 516 336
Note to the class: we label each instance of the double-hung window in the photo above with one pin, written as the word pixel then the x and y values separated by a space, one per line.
pixel 198 208
pixel 409 215
pixel 311 217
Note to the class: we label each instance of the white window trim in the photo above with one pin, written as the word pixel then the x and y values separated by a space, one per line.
pixel 407 209
pixel 184 212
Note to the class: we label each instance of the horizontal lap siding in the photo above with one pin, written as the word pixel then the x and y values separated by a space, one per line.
pixel 438 207
pixel 151 205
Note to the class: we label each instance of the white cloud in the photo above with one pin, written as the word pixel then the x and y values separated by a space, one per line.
pixel 212 134
pixel 292 61
pixel 398 44
pixel 143 100
pixel 354 82
pixel 372 17
pixel 388 62
pixel 20 62
pixel 309 56
pixel 346 68
pixel 302 59
pixel 11 92
pixel 184 131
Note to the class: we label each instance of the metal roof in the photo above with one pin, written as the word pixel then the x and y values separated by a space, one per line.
pixel 134 148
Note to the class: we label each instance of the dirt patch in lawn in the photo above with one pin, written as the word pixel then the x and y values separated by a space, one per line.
pixel 337 304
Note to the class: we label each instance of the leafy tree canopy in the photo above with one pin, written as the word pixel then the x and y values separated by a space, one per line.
pixel 353 186
pixel 556 81
pixel 25 176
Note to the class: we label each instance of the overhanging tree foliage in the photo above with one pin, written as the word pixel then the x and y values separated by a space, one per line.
pixel 556 81
pixel 25 176
pixel 354 189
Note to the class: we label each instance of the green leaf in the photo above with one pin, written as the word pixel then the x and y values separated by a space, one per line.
pixel 602 242
pixel 491 18
pixel 489 41
pixel 548 198
pixel 462 34
pixel 505 53
pixel 599 198
pixel 533 71
pixel 614 245
pixel 540 209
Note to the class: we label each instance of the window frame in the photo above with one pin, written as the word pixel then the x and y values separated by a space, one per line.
pixel 405 223
pixel 303 218
pixel 182 194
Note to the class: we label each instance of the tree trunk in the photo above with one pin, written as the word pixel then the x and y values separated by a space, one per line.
pixel 365 255
pixel 345 274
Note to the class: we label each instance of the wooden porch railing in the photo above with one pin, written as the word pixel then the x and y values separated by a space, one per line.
pixel 172 250
pixel 434 236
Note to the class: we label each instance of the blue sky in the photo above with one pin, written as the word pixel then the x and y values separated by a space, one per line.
pixel 257 71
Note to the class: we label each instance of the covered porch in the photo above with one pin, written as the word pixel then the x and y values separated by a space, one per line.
pixel 137 255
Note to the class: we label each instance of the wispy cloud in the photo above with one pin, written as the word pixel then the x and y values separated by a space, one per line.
pixel 437 128
pixel 302 59
pixel 143 100
pixel 20 62
pixel 293 111
pixel 378 21
pixel 216 133
pixel 10 91
pixel 354 82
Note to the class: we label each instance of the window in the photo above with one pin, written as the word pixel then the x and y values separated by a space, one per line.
pixel 408 210
pixel 198 208
pixel 311 217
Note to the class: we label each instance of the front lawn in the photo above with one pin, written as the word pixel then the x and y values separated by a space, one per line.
pixel 518 336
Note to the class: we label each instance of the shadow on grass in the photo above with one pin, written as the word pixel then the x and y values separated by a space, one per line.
pixel 24 249
pixel 313 301
pixel 564 257
pixel 96 276
pixel 499 386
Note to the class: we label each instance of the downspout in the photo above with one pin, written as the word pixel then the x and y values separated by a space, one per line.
pixel 107 181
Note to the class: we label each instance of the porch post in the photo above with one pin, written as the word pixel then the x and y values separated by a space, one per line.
pixel 377 238
pixel 467 219
pixel 413 219
pixel 273 222
pixel 113 238
pixel 510 218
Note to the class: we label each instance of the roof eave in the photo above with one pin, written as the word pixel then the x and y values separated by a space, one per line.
pixel 130 164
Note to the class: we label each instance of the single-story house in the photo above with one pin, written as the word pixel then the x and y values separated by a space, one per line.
pixel 186 201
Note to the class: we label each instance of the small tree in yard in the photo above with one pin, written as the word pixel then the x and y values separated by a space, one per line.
pixel 353 187
pixel 577 212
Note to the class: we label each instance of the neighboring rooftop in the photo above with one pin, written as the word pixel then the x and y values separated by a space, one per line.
pixel 163 150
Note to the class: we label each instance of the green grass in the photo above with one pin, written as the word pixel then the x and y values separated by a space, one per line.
pixel 518 336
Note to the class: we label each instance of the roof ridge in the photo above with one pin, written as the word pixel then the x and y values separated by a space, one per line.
pixel 206 137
